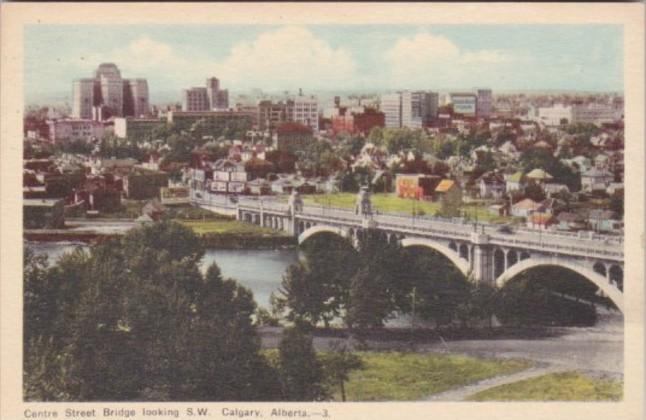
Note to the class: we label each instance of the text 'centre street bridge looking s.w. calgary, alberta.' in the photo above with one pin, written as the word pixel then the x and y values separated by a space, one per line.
pixel 482 252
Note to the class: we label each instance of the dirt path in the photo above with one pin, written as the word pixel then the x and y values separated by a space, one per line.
pixel 460 394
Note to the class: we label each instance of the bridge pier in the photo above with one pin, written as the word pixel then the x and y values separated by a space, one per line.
pixel 482 268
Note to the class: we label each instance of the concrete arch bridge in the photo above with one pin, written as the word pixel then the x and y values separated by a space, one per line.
pixel 481 252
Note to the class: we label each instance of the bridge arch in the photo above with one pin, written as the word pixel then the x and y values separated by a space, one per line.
pixel 597 279
pixel 313 230
pixel 453 256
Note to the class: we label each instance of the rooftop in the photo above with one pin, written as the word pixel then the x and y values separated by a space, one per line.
pixel 444 185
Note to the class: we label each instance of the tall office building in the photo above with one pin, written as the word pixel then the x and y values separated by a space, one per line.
pixel 391 106
pixel 484 103
pixel 218 98
pixel 135 97
pixel 418 108
pixel 271 115
pixel 83 98
pixel 206 98
pixel 108 95
pixel 304 110
pixel 195 99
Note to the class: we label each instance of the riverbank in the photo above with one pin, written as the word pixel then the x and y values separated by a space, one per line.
pixel 226 233
pixel 559 363
pixel 217 233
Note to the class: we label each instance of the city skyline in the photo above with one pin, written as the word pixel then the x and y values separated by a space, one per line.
pixel 340 57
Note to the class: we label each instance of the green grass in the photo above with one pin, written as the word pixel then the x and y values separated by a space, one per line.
pixel 393 376
pixel 227 226
pixel 390 203
pixel 562 386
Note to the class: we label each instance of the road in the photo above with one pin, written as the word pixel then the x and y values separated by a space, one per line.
pixel 597 349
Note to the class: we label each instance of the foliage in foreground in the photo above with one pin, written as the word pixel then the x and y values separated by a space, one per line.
pixel 562 386
pixel 135 319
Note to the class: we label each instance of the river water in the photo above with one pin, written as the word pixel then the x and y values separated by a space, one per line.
pixel 259 270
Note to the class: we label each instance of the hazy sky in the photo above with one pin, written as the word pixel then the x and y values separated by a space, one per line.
pixel 329 57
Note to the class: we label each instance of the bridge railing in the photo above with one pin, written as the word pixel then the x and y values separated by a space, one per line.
pixel 583 248
pixel 337 214
pixel 590 244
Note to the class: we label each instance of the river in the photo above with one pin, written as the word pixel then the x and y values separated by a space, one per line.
pixel 259 270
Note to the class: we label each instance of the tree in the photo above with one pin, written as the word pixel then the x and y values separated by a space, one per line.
pixel 441 291
pixel 534 192
pixel 228 365
pixel 317 288
pixel 541 158
pixel 533 298
pixel 136 320
pixel 338 363
pixel 376 288
pixel 301 372
pixel 481 304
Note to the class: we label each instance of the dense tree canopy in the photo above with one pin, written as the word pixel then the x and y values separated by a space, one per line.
pixel 134 319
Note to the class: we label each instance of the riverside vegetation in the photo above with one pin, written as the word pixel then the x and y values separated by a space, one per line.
pixel 135 319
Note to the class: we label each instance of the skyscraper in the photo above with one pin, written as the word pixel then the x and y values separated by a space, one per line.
pixel 195 99
pixel 206 98
pixel 391 106
pixel 108 94
pixel 305 111
pixel 83 98
pixel 418 108
pixel 484 103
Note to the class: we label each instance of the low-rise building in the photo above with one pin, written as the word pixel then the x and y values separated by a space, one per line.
pixel 43 213
pixel 596 180
pixel 491 185
pixel 212 120
pixel 98 196
pixel 175 195
pixel 515 182
pixel 524 207
pixel 75 129
pixel 449 194
pixel 604 221
pixel 570 222
pixel 259 187
pixel 291 137
pixel 416 185
pixel 357 122
pixel 144 184
pixel 136 128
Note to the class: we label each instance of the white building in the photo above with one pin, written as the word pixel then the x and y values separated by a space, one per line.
pixel 74 129
pixel 595 114
pixel 555 115
pixel 305 111
pixel 391 106
pixel 596 179
pixel 464 104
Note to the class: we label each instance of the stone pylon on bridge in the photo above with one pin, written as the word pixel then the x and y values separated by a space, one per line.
pixel 295 203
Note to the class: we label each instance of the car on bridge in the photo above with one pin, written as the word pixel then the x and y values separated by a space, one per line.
pixel 505 229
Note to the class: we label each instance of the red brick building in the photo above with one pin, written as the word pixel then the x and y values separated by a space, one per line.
pixel 357 123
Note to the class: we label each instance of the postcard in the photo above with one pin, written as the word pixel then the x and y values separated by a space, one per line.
pixel 327 211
